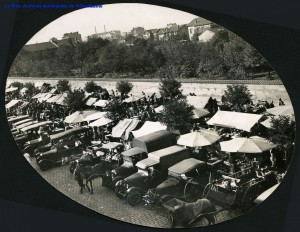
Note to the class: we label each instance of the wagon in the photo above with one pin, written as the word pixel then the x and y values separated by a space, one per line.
pixel 181 213
pixel 108 153
pixel 240 189
pixel 186 180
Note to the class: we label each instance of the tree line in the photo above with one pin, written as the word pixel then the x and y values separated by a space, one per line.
pixel 225 56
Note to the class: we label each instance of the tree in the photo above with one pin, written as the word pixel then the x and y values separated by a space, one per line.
pixel 63 86
pixel 282 133
pixel 116 109
pixel 124 87
pixel 17 84
pixel 177 115
pixel 91 86
pixel 31 89
pixel 169 87
pixel 237 95
pixel 75 99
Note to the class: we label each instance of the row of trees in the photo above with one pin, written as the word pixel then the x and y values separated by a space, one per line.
pixel 225 56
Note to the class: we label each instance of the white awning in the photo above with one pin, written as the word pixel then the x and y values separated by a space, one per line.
pixel 12 103
pixel 54 98
pixel 101 103
pixel 149 127
pixel 91 101
pixel 197 101
pixel 60 101
pixel 120 128
pixel 11 89
pixel 241 121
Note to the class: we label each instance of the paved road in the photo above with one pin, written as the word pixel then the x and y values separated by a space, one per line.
pixel 105 202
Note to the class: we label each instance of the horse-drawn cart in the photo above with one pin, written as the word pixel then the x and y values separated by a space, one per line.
pixel 201 212
pixel 240 189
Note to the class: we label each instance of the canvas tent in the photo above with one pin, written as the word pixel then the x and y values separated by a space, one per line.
pixel 12 103
pixel 60 101
pixel 78 116
pixel 120 128
pixel 53 98
pixel 38 95
pixel 91 101
pixel 236 120
pixel 101 103
pixel 11 89
pixel 148 127
pixel 134 123
pixel 45 97
pixel 197 101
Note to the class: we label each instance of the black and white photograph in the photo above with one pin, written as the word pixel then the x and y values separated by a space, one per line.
pixel 151 115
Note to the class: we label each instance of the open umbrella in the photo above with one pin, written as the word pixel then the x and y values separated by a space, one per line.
pixel 253 144
pixel 95 116
pixel 281 110
pixel 199 138
pixel 78 116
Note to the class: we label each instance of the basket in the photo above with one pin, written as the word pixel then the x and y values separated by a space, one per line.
pixel 170 205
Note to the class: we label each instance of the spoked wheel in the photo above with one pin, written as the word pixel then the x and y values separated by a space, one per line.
pixel 248 199
pixel 134 197
pixel 44 165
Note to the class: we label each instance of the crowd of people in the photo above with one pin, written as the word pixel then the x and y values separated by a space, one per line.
pixel 142 108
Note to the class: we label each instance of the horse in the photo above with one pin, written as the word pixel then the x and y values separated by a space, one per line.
pixel 188 213
pixel 88 173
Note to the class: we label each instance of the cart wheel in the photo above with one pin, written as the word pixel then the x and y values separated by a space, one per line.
pixel 248 199
pixel 134 197
pixel 44 165
pixel 204 221
pixel 72 167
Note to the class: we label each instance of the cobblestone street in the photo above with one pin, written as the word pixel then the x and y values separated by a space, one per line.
pixel 105 202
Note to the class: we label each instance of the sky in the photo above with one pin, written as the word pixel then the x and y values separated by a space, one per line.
pixel 121 17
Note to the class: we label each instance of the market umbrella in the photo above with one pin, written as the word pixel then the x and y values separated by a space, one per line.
pixel 254 144
pixel 199 113
pixel 101 122
pixel 199 138
pixel 78 116
pixel 281 110
pixel 95 116
pixel 132 99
